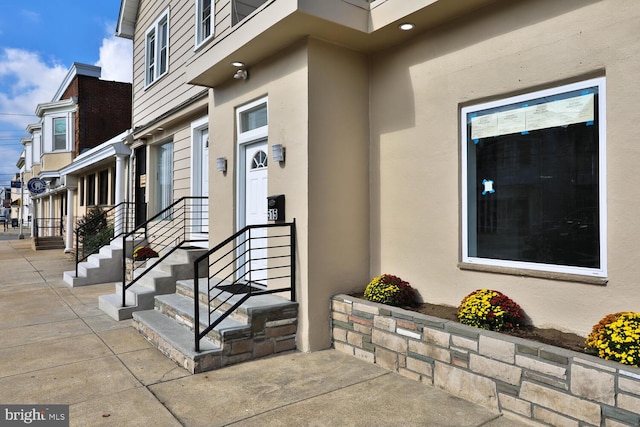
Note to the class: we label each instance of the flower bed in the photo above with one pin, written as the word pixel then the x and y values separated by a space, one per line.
pixel 519 377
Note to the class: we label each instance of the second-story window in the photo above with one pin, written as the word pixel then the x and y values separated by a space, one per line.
pixel 60 134
pixel 157 49
pixel 204 23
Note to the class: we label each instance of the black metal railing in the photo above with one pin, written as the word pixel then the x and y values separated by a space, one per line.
pixel 184 221
pixel 48 227
pixel 102 229
pixel 257 260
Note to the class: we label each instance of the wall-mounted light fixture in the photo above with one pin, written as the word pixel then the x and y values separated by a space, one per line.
pixel 277 152
pixel 221 164
pixel 241 74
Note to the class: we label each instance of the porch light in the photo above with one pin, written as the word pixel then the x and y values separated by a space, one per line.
pixel 277 152
pixel 221 164
pixel 241 74
pixel 238 64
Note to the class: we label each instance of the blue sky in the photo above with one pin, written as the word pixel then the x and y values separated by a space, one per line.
pixel 39 40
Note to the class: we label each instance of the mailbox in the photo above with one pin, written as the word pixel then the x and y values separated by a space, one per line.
pixel 275 208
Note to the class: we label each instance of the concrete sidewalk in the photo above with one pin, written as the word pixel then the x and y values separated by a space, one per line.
pixel 57 347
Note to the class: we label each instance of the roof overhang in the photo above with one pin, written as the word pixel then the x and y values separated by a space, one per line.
pixel 49 175
pixel 103 153
pixel 277 24
pixel 55 107
pixel 127 17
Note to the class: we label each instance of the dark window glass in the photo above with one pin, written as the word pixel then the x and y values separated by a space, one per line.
pixel 533 194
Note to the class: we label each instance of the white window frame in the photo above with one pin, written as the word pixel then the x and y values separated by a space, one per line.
pixel 201 215
pixel 153 59
pixel 201 38
pixel 164 199
pixel 602 196
pixel 243 139
pixel 53 133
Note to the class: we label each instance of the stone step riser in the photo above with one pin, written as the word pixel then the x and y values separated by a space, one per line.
pixel 240 314
pixel 195 365
pixel 220 338
pixel 271 327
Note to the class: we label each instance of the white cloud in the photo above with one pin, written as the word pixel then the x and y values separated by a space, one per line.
pixel 116 56
pixel 25 81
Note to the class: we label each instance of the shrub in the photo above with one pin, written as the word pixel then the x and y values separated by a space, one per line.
pixel 94 231
pixel 491 310
pixel 391 290
pixel 616 337
pixel 144 252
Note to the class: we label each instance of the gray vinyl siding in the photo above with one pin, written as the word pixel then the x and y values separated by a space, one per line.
pixel 182 162
pixel 170 90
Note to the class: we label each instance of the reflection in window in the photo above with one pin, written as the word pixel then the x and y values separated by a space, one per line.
pixel 164 169
pixel 259 160
pixel 157 49
pixel 254 118
pixel 204 15
pixel 60 134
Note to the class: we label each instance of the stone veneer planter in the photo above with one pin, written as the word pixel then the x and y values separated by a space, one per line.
pixel 518 377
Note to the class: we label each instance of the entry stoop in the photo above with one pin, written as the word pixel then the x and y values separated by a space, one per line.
pixel 160 280
pixel 263 325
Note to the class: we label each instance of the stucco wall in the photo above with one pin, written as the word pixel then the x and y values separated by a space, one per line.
pixel 338 179
pixel 324 178
pixel 510 48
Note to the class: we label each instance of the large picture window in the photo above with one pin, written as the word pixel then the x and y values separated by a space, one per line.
pixel 534 181
pixel 157 49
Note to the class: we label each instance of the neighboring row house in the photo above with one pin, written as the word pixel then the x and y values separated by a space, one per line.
pixel 85 114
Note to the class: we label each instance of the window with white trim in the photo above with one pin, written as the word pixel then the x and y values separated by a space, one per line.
pixel 157 49
pixel 60 133
pixel 533 181
pixel 204 20
pixel 164 178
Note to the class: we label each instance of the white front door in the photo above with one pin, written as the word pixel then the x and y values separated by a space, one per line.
pixel 255 196
pixel 204 181
pixel 199 215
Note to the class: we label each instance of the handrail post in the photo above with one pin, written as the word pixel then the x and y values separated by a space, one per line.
pixel 124 268
pixel 292 233
pixel 196 308
pixel 77 252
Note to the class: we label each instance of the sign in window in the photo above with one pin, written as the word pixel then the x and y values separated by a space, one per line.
pixel 533 181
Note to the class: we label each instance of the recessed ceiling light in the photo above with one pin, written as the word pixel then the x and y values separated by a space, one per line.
pixel 159 128
pixel 406 26
pixel 237 64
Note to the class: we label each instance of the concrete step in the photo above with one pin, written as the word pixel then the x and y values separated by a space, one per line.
pixel 137 297
pixel 156 278
pixel 180 309
pixel 177 342
pixel 102 267
pixel 186 254
pixel 47 243
pixel 269 303
pixel 270 328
